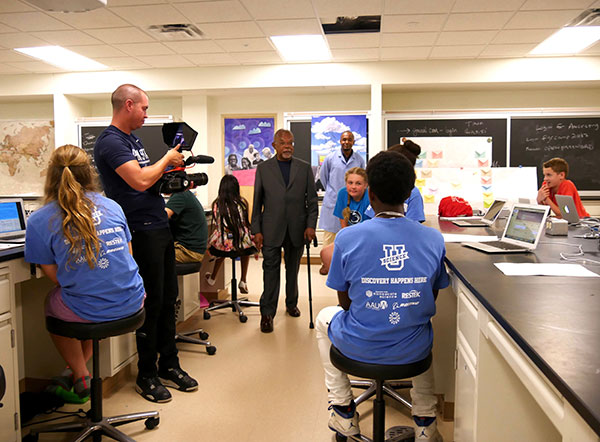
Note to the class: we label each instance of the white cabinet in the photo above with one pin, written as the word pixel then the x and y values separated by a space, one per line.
pixel 464 412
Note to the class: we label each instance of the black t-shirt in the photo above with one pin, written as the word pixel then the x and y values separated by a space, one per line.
pixel 285 166
pixel 144 210
pixel 188 222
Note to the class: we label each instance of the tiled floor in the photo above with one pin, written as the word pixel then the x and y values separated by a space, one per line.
pixel 257 387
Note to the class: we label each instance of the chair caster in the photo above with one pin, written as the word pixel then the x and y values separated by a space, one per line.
pixel 152 422
pixel 211 350
pixel 340 437
pixel 243 318
pixel 31 437
pixel 203 335
pixel 206 315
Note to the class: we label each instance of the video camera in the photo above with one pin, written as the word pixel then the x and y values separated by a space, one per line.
pixel 176 179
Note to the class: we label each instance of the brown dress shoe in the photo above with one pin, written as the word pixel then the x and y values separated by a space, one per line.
pixel 293 311
pixel 266 323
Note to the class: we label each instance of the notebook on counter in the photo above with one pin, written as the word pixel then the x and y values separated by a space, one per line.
pixel 487 220
pixel 12 220
pixel 522 232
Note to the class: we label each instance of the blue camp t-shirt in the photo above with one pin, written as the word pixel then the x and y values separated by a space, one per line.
pixel 357 208
pixel 389 267
pixel 144 210
pixel 413 207
pixel 113 289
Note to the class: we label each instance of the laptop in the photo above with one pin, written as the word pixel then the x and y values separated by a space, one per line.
pixel 567 208
pixel 522 232
pixel 488 219
pixel 12 220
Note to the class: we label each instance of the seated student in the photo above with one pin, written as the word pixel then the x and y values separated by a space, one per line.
pixel 188 224
pixel 372 322
pixel 352 201
pixel 81 241
pixel 555 183
pixel 413 206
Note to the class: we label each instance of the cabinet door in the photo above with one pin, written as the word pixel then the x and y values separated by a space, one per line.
pixel 7 412
pixel 464 412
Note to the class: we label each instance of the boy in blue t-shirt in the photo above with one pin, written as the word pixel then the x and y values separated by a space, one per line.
pixel 387 273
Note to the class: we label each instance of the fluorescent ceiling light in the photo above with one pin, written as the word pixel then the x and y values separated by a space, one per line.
pixel 62 58
pixel 302 47
pixel 569 40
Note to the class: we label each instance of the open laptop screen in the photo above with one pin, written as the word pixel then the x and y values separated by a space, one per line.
pixel 12 218
pixel 494 210
pixel 524 224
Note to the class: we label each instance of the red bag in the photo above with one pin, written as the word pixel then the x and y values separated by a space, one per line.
pixel 454 206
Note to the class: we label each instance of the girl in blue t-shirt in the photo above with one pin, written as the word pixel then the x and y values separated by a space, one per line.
pixel 350 206
pixel 80 239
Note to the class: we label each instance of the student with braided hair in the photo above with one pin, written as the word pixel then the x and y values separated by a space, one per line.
pixel 80 239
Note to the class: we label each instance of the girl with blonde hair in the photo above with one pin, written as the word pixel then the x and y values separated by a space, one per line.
pixel 80 239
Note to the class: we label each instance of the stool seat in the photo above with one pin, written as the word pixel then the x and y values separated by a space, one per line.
pixel 185 268
pixel 378 372
pixel 95 330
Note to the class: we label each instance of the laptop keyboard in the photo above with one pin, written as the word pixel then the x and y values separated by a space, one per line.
pixel 504 245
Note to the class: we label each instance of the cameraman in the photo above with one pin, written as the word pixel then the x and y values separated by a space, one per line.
pixel 127 175
pixel 188 224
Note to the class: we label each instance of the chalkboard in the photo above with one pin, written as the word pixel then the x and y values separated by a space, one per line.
pixel 495 128
pixel 150 135
pixel 577 140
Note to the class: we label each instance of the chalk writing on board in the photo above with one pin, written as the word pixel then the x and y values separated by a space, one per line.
pixel 561 136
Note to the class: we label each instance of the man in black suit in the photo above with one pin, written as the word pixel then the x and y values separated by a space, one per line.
pixel 284 215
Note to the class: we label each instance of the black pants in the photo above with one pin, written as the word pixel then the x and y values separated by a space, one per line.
pixel 154 253
pixel 271 278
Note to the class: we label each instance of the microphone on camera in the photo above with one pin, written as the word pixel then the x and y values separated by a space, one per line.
pixel 199 159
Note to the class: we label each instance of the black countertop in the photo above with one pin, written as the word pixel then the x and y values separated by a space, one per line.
pixel 554 320
pixel 14 253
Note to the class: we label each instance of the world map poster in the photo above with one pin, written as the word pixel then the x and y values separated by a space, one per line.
pixel 25 148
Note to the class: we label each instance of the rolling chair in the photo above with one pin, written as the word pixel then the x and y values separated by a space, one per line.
pixel 235 303
pixel 379 374
pixel 187 336
pixel 95 424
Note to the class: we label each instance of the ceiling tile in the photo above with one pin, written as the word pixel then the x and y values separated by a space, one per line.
pixel 211 59
pixel 408 39
pixel 66 38
pixel 465 38
pixel 291 27
pixel 348 8
pixel 517 50
pixel 120 35
pixel 264 57
pixel 345 41
pixel 194 47
pixel 486 5
pixel 113 3
pixel 6 29
pixel 214 11
pixel 592 50
pixel 412 23
pixel 541 19
pixel 418 7
pixel 355 54
pixel 477 21
pixel 7 69
pixel 556 4
pixel 277 9
pixel 522 36
pixel 32 21
pixel 137 49
pixel 20 40
pixel 98 18
pixel 122 62
pixel 95 51
pixel 166 61
pixel 405 53
pixel 14 6
pixel 240 29
pixel 245 45
pixel 36 67
pixel 150 15
pixel 9 55
pixel 467 51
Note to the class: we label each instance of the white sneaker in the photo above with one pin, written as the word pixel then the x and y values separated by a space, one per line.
pixel 428 433
pixel 209 280
pixel 345 424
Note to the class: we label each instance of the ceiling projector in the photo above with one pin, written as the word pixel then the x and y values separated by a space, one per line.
pixel 68 5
